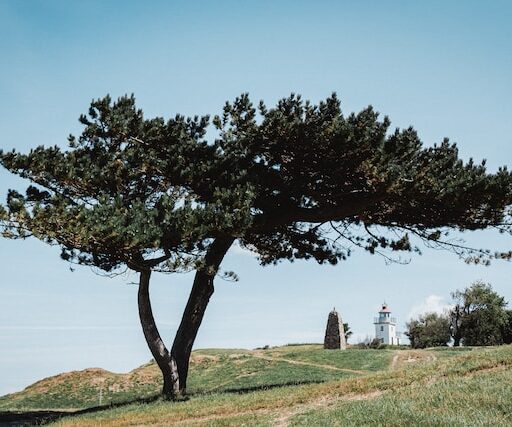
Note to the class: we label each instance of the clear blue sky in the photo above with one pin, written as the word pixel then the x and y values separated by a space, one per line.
pixel 442 66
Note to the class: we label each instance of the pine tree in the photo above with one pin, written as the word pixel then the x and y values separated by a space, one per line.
pixel 297 181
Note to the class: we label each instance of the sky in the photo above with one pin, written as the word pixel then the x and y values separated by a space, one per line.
pixel 442 66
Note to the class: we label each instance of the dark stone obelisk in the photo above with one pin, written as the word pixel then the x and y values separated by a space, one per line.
pixel 334 333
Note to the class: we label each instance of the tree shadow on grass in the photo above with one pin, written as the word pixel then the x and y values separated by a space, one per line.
pixel 244 390
pixel 34 418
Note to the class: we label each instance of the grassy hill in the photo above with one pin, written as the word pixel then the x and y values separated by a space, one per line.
pixel 210 371
pixel 298 385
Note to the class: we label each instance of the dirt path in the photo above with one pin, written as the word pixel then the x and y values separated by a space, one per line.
pixel 300 362
pixel 321 403
pixel 293 362
pixel 405 357
pixel 283 415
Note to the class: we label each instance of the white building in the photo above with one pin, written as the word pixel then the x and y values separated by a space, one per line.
pixel 385 327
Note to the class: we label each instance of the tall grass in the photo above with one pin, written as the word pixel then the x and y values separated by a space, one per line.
pixel 470 388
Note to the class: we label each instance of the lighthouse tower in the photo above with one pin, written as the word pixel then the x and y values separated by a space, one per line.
pixel 385 327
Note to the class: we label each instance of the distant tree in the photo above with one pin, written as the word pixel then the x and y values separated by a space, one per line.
pixel 296 181
pixel 348 332
pixel 429 330
pixel 481 317
pixel 455 324
pixel 506 332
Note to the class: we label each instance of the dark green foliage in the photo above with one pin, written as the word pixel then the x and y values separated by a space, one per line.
pixel 374 343
pixel 120 193
pixel 507 328
pixel 481 318
pixel 377 344
pixel 294 181
pixel 316 171
pixel 429 330
pixel 348 332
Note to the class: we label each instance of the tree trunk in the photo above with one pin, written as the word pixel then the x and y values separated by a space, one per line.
pixel 162 357
pixel 202 290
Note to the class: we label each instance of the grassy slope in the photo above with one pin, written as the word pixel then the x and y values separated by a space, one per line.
pixel 433 387
pixel 211 371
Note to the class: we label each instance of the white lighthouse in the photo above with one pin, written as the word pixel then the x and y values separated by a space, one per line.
pixel 385 327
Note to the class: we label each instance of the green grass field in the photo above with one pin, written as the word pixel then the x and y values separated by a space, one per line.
pixel 212 370
pixel 304 386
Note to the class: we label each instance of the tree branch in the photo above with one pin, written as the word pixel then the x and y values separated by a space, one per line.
pixel 287 215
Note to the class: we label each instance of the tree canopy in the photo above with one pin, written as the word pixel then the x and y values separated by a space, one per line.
pixel 429 330
pixel 283 182
pixel 296 181
pixel 479 316
pixel 119 194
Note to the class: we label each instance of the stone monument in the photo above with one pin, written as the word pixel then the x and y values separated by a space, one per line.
pixel 335 333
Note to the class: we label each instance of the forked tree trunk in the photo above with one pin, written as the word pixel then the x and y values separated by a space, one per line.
pixel 174 365
pixel 162 357
pixel 202 290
